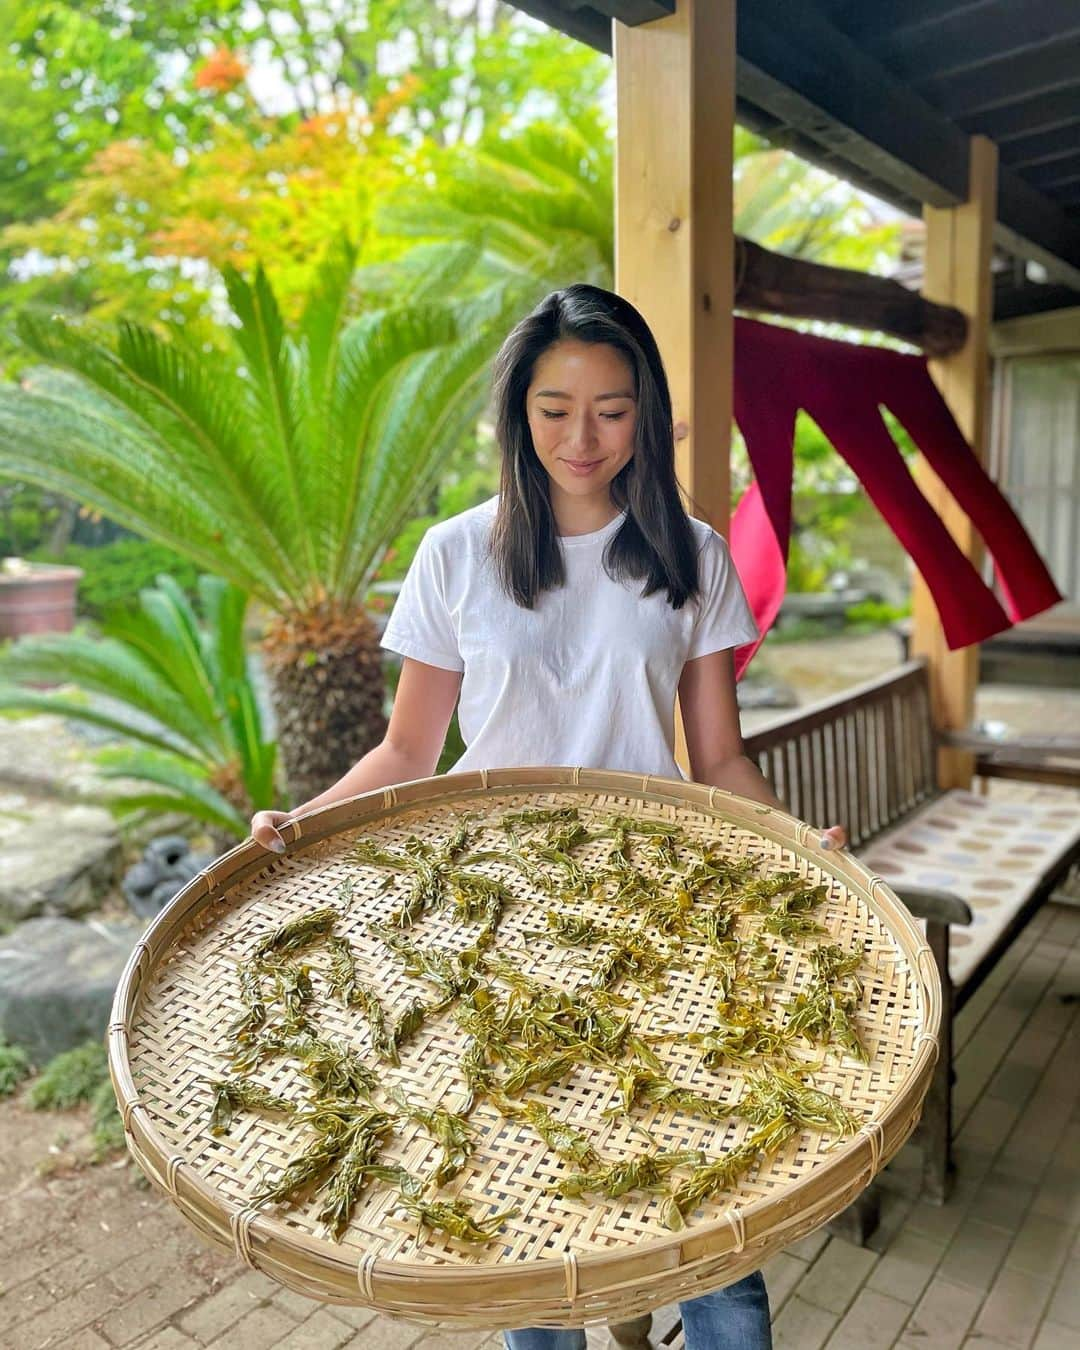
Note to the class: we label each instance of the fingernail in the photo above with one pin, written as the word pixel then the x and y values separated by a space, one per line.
pixel 278 845
pixel 828 841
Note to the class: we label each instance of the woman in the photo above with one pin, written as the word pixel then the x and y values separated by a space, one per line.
pixel 563 614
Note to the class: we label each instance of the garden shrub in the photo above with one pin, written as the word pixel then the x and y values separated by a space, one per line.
pixel 77 1076
pixel 115 573
pixel 14 1067
pixel 875 613
pixel 70 1078
pixel 108 1128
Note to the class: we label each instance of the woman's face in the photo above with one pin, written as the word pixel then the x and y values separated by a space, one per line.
pixel 581 406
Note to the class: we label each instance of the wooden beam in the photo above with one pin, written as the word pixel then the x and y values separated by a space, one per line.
pixel 890 16
pixel 821 87
pixel 1032 114
pixel 1048 176
pixel 591 22
pixel 967 40
pixel 957 272
pixel 674 242
pixel 631 12
pixel 776 284
pixel 585 25
pixel 1014 302
pixel 1031 225
pixel 784 136
pixel 796 66
pixel 1022 75
pixel 1042 147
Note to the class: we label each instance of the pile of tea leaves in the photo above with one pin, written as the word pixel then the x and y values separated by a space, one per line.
pixel 521 1035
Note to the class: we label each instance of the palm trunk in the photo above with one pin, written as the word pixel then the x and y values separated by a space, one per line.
pixel 325 675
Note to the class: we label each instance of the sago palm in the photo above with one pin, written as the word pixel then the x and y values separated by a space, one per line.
pixel 175 686
pixel 540 208
pixel 287 468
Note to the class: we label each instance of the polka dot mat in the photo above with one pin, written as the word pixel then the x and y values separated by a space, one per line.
pixel 991 853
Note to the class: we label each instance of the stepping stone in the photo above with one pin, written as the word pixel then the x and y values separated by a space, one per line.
pixel 62 862
pixel 57 978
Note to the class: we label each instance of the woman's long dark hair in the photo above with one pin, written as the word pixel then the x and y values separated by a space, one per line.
pixel 656 540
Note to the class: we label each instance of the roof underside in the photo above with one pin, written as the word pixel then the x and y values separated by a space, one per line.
pixel 887 93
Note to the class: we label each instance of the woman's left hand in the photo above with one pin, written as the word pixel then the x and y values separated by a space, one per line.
pixel 834 837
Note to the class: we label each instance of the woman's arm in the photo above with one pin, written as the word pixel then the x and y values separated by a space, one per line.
pixel 710 714
pixel 423 705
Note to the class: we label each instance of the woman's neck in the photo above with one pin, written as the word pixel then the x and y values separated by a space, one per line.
pixel 581 515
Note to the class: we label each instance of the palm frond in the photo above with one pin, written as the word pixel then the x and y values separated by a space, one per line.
pixel 160 803
pixel 164 631
pixel 160 679
pixel 225 609
pixel 427 272
pixel 57 705
pixel 324 317
pixel 189 417
pixel 257 756
pixel 274 371
pixel 108 667
pixel 374 350
pixel 540 202
pixel 436 402
pixel 186 785
pixel 59 433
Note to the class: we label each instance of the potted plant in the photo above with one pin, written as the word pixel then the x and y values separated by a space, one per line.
pixel 37 597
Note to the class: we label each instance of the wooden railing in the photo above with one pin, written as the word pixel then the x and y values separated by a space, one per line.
pixel 863 759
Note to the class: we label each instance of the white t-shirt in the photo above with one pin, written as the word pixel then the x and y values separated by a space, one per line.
pixel 587 677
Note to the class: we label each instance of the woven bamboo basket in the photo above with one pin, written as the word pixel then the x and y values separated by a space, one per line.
pixel 558 1262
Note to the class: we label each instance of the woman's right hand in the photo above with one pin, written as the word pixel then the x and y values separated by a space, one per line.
pixel 264 829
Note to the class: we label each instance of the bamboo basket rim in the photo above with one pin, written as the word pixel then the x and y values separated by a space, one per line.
pixel 704 1242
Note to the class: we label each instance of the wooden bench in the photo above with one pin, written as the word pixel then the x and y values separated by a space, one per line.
pixel 867 758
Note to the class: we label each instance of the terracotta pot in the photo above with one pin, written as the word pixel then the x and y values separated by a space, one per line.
pixel 39 600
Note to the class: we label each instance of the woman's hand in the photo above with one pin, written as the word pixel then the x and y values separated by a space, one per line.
pixel 264 829
pixel 834 837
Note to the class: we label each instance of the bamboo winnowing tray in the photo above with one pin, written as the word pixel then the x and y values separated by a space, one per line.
pixel 558 1261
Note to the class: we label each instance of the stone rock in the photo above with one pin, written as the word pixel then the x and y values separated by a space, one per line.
pixel 62 863
pixel 167 865
pixel 57 979
pixel 168 848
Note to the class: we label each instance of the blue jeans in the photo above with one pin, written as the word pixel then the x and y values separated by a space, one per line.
pixel 735 1318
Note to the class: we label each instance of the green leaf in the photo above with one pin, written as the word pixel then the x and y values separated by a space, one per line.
pixel 188 790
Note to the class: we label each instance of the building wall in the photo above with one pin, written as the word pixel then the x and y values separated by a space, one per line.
pixel 1035 438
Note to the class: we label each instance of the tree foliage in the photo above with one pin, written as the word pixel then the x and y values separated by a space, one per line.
pixel 172 681
pixel 146 146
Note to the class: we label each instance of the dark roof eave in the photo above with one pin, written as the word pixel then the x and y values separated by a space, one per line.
pixel 865 125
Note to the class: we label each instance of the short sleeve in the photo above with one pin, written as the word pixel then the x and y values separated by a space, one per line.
pixel 724 619
pixel 420 624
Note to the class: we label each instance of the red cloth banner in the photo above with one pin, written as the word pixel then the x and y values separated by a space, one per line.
pixel 843 387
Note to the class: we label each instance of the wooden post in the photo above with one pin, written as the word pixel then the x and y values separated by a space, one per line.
pixel 957 272
pixel 674 239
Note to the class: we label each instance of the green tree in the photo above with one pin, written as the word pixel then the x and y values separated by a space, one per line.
pixel 789 206
pixel 287 468
pixel 538 208
pixel 145 146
